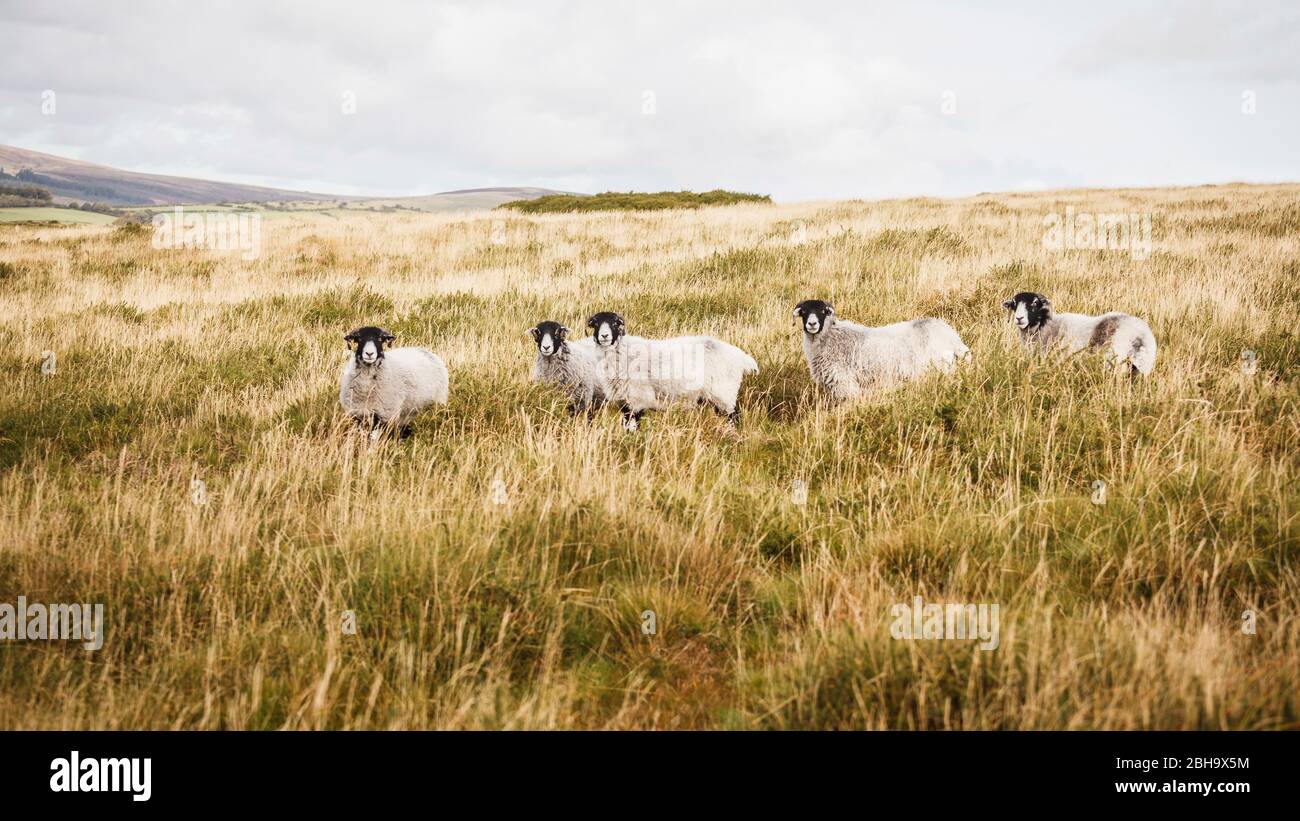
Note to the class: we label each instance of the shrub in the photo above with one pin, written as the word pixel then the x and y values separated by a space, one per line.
pixel 630 201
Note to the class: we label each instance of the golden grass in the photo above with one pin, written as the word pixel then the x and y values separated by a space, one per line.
pixel 183 364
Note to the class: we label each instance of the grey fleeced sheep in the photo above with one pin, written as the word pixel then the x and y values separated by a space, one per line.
pixel 652 374
pixel 1126 340
pixel 850 360
pixel 389 388
pixel 574 366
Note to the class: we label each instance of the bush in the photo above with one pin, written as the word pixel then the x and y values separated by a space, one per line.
pixel 31 193
pixel 630 201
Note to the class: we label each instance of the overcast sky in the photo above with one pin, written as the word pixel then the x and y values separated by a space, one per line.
pixel 801 100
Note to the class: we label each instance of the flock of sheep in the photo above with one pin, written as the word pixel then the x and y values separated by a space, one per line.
pixel 386 387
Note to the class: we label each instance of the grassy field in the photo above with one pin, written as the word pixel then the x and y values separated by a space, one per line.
pixel 498 561
pixel 69 215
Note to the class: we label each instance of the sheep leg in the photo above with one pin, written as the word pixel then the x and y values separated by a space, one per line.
pixel 731 412
pixel 581 405
pixel 583 401
pixel 631 419
pixel 369 423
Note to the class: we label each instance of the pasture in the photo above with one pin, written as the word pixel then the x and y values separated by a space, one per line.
pixel 68 215
pixel 186 464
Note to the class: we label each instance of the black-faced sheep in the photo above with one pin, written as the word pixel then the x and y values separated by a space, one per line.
pixel 1126 340
pixel 652 374
pixel 573 366
pixel 388 388
pixel 850 360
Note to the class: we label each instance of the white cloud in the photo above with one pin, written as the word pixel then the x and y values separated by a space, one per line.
pixel 802 100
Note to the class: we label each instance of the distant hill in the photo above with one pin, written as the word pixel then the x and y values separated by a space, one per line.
pixel 82 181
pixel 73 179
pixel 468 199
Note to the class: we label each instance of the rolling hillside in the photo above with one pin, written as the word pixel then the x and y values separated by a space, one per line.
pixel 74 179
pixel 82 181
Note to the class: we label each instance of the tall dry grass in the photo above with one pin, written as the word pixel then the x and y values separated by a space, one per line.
pixel 180 365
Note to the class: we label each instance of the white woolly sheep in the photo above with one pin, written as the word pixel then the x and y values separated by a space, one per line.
pixel 388 388
pixel 573 366
pixel 850 360
pixel 1126 340
pixel 652 374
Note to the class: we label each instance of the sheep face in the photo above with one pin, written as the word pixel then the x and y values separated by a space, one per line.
pixel 607 327
pixel 549 336
pixel 1029 310
pixel 815 315
pixel 370 342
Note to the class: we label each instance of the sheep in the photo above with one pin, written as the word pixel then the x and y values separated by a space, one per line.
pixel 849 359
pixel 1125 340
pixel 571 365
pixel 388 388
pixel 652 374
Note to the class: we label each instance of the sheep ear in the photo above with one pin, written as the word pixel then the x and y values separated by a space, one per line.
pixel 532 332
pixel 1009 304
pixel 797 315
pixel 564 332
pixel 386 337
pixel 830 309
